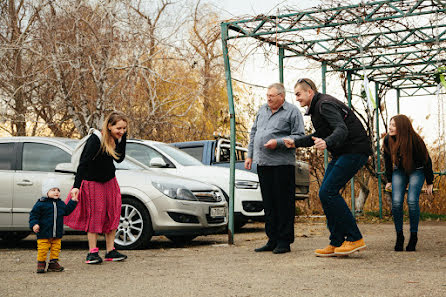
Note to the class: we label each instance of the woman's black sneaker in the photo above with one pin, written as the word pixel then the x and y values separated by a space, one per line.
pixel 93 258
pixel 114 255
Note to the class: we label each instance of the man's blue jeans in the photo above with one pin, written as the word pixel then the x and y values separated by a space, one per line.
pixel 399 183
pixel 340 220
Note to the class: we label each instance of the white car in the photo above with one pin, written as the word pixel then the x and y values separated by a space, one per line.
pixel 153 203
pixel 166 158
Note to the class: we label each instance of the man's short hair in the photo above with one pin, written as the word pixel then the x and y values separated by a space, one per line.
pixel 306 84
pixel 279 87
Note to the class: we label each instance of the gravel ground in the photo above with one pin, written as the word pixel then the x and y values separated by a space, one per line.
pixel 210 267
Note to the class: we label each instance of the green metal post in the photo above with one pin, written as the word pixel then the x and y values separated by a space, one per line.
pixel 378 151
pixel 224 37
pixel 324 91
pixel 398 94
pixel 281 56
pixel 349 100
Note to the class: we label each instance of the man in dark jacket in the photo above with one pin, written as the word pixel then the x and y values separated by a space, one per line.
pixel 46 220
pixel 340 132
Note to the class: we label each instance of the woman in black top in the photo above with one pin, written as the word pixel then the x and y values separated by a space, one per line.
pixel 407 163
pixel 95 183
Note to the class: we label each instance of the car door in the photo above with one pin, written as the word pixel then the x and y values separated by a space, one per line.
pixel 37 162
pixel 7 166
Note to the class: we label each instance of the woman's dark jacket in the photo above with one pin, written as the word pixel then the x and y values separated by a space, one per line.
pixel 48 213
pixel 418 159
pixel 95 165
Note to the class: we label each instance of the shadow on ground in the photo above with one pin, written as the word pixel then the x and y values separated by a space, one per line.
pixel 79 241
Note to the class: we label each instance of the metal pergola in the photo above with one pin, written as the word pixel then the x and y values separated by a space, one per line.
pixel 397 44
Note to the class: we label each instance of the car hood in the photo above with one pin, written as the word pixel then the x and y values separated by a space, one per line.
pixel 208 172
pixel 134 176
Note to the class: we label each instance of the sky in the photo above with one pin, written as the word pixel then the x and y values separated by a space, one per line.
pixel 233 8
pixel 258 71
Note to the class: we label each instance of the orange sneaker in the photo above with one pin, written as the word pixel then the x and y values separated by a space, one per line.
pixel 328 251
pixel 349 247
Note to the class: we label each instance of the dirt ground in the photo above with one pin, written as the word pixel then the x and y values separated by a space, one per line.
pixel 210 267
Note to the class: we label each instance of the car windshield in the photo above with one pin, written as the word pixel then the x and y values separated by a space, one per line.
pixel 178 155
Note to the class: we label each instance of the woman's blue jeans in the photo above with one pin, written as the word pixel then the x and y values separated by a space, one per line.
pixel 340 220
pixel 400 180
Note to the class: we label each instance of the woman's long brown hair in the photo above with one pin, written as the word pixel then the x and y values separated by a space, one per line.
pixel 108 144
pixel 405 144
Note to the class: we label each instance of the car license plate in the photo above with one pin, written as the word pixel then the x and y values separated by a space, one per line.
pixel 217 212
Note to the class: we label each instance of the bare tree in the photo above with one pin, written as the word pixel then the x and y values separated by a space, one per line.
pixel 17 71
pixel 87 58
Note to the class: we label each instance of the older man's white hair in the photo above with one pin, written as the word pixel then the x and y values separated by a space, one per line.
pixel 279 87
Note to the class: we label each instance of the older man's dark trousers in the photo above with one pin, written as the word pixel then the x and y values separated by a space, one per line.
pixel 277 184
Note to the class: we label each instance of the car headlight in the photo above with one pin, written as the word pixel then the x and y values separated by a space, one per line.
pixel 246 184
pixel 175 191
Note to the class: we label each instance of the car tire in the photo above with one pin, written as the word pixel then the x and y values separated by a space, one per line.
pixel 239 223
pixel 14 236
pixel 181 239
pixel 135 226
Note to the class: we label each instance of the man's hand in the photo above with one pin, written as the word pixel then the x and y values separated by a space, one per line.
pixel 319 143
pixel 429 189
pixel 74 194
pixel 389 187
pixel 289 143
pixel 271 144
pixel 36 228
pixel 248 163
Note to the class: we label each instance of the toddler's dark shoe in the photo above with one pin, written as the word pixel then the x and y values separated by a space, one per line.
pixel 114 255
pixel 54 266
pixel 41 266
pixel 93 258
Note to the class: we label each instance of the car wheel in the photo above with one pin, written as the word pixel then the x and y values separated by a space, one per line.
pixel 238 224
pixel 135 226
pixel 181 239
pixel 14 235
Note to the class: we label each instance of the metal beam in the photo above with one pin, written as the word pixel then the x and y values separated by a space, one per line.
pixel 334 17
pixel 224 32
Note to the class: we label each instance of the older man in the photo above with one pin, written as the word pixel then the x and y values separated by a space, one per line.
pixel 340 132
pixel 275 121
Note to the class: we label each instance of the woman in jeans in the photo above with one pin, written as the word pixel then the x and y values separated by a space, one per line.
pixel 407 163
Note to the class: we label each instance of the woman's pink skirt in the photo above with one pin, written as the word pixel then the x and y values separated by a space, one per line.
pixel 98 209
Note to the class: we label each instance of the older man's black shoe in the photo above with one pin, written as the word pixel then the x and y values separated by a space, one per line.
pixel 266 248
pixel 281 250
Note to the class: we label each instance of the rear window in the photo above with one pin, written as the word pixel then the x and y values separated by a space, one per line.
pixel 196 152
pixel 42 157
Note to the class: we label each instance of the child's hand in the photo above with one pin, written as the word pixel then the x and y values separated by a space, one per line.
pixel 36 228
pixel 74 194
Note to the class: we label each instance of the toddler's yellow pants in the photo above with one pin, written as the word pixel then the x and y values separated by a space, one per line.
pixel 52 244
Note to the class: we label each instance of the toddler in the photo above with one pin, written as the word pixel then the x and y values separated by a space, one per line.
pixel 46 220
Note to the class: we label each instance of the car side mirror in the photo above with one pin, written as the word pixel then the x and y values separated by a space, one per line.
pixel 158 163
pixel 65 168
